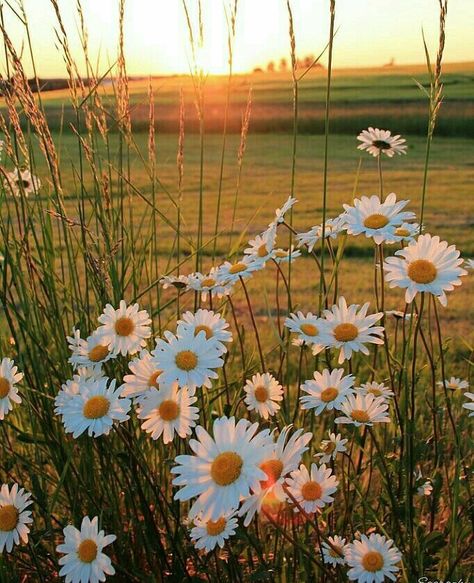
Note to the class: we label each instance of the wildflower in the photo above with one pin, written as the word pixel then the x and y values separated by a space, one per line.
pixel 310 329
pixel 425 265
pixel 125 329
pixel 180 282
pixel 469 406
pixel 469 263
pixel 454 384
pixel 262 246
pixel 327 390
pixel 144 377
pixel 375 389
pixel 377 141
pixel 334 553
pixel 350 329
pixel 230 273
pixel 13 516
pixel 312 490
pixel 168 411
pixel 406 233
pixel 224 468
pixel 84 560
pixel 281 212
pixel 22 181
pixel 91 352
pixel 9 376
pixel 208 284
pixel 286 255
pixel 332 229
pixel 206 534
pixel 262 394
pixel 398 314
pixel 372 559
pixel 213 325
pixel 331 447
pixel 71 386
pixel 364 410
pixel 425 489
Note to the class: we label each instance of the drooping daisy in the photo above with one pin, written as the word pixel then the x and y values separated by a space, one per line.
pixel 144 377
pixel 93 351
pixel 327 390
pixel 187 359
pixel 376 389
pixel 284 459
pixel 378 142
pixel 333 554
pixel 84 560
pixel 313 489
pixel 310 329
pixel 125 329
pixel 180 282
pixel 351 329
pixel 331 447
pixel 262 394
pixel 425 265
pixel 286 255
pixel 9 376
pixel 406 232
pixel 332 229
pixel 224 468
pixel 262 246
pixel 208 284
pixel 213 325
pixel 372 559
pixel 243 268
pixel 399 315
pixel 281 212
pixel 13 516
pixel 364 410
pixel 454 384
pixel 469 406
pixel 22 181
pixel 376 219
pixel 168 411
pixel 206 534
pixel 94 408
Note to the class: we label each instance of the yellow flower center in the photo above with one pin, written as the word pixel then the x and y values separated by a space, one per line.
pixel 124 326
pixel 226 468
pixel 311 491
pixel 98 353
pixel 330 447
pixel 262 250
pixel 329 394
pixel 281 253
pixel 168 410
pixel 372 561
pixel 376 221
pixel 237 268
pixel 422 271
pixel 336 551
pixel 87 550
pixel 375 392
pixel 4 387
pixel 449 385
pixel 152 381
pixel 208 282
pixel 360 415
pixel 216 527
pixel 8 518
pixel 345 332
pixel 273 469
pixel 309 329
pixel 261 394
pixel 402 232
pixel 186 360
pixel 209 333
pixel 96 407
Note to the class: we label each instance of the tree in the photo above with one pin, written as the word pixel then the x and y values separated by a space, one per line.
pixel 283 65
pixel 271 67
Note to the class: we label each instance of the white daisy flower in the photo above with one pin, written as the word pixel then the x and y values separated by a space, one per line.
pixel 331 447
pixel 262 394
pixel 376 389
pixel 224 469
pixel 9 376
pixel 454 384
pixel 208 284
pixel 168 411
pixel 469 263
pixel 180 282
pixel 332 229
pixel 406 232
pixel 262 246
pixel 207 534
pixel 376 219
pixel 13 516
pixel 213 325
pixel 144 377
pixel 364 410
pixel 286 255
pixel 372 559
pixel 281 212
pixel 312 490
pixel 425 489
pixel 378 142
pixel 469 406
pixel 333 554
pixel 425 265
pixel 84 560
pixel 22 182
pixel 285 457
pixel 71 386
pixel 94 408
pixel 327 390
pixel 310 329
pixel 398 314
pixel 351 329
pixel 187 359
pixel 93 351
pixel 125 329
pixel 230 273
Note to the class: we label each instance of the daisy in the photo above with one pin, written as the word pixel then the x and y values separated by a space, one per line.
pixel 425 265
pixel 94 408
pixel 232 272
pixel 350 329
pixel 125 329
pixel 144 377
pixel 180 282
pixel 313 489
pixel 262 246
pixel 327 390
pixel 425 489
pixel 208 284
pixel 13 516
pixel 364 410
pixel 213 325
pixel 262 394
pixel 377 141
pixel 372 559
pixel 331 447
pixel 406 233
pixel 453 384
pixel 376 389
pixel 224 468
pixel 206 534
pixel 334 553
pixel 331 231
pixel 22 182
pixel 286 255
pixel 469 406
pixel 187 359
pixel 374 218
pixel 469 263
pixel 84 560
pixel 168 411
pixel 399 315
pixel 281 212
pixel 310 329
pixel 93 351
pixel 71 386
pixel 9 376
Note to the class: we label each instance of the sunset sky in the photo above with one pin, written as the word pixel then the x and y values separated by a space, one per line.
pixel 371 32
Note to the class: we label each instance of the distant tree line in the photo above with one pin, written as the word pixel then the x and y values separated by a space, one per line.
pixel 283 65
